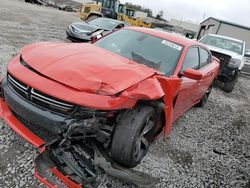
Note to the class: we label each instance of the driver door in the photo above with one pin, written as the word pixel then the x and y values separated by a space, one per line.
pixel 189 89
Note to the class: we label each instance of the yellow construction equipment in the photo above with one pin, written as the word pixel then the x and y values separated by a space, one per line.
pixel 128 15
pixel 110 9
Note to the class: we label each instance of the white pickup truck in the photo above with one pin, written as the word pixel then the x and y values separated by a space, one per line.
pixel 230 52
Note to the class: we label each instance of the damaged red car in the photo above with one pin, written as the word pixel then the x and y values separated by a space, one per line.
pixel 87 105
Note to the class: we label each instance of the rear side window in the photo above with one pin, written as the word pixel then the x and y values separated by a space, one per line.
pixel 204 57
pixel 191 59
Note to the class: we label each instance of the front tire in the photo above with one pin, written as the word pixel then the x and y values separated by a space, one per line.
pixel 229 85
pixel 133 135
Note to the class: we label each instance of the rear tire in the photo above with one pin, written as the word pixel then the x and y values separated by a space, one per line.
pixel 133 135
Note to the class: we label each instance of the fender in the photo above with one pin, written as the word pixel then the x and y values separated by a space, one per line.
pixel 170 86
pixel 156 88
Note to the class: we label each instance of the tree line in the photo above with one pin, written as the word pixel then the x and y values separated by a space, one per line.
pixel 139 8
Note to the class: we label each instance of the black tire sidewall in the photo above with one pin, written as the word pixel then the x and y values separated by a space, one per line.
pixel 229 85
pixel 127 133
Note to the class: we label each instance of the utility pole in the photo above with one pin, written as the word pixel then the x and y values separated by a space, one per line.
pixel 204 16
pixel 181 21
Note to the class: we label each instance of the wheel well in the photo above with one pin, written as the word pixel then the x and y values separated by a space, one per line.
pixel 158 105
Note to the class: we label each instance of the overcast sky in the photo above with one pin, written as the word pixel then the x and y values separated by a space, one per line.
pixel 237 11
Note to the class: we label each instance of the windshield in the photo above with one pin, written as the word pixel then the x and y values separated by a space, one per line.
pixel 110 4
pixel 103 23
pixel 154 52
pixel 223 43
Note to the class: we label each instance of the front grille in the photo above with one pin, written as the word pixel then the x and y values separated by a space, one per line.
pixel 40 99
pixel 224 59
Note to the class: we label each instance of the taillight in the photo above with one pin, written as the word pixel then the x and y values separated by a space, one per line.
pixel 93 39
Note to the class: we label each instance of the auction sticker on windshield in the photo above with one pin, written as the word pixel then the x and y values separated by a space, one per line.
pixel 172 45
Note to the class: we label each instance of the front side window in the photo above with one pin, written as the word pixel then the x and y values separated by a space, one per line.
pixel 110 4
pixel 204 57
pixel 154 52
pixel 191 59
pixel 223 43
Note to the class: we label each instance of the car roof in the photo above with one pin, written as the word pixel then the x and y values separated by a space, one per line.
pixel 225 37
pixel 167 36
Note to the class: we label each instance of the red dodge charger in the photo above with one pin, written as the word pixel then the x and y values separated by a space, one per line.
pixel 118 94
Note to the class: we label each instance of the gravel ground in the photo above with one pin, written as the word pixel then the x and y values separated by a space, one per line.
pixel 208 147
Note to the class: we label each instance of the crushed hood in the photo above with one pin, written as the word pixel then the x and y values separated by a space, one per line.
pixel 233 55
pixel 85 67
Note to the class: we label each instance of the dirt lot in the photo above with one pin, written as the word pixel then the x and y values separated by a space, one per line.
pixel 208 147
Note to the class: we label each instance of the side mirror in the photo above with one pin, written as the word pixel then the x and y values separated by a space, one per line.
pixel 192 74
pixel 247 54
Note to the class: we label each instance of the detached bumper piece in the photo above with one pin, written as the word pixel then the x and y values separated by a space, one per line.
pixel 62 169
pixel 69 167
pixel 124 174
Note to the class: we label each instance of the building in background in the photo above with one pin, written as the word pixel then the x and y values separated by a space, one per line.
pixel 156 22
pixel 140 14
pixel 222 27
pixel 186 28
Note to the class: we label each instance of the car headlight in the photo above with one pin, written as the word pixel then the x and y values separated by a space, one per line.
pixel 76 30
pixel 99 32
pixel 234 63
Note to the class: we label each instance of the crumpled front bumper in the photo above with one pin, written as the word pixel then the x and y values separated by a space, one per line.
pixel 44 167
pixel 15 124
pixel 19 128
pixel 54 165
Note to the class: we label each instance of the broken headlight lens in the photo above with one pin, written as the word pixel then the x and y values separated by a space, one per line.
pixel 234 63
